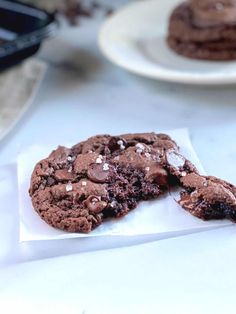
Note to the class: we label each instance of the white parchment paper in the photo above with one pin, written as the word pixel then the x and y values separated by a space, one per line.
pixel 161 216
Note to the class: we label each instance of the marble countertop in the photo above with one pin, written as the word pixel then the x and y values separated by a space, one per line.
pixel 84 94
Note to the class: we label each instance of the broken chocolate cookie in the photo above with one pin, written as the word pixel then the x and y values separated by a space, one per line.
pixel 76 189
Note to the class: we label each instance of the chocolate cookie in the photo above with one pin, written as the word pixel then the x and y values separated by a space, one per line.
pixel 204 29
pixel 104 177
pixel 208 197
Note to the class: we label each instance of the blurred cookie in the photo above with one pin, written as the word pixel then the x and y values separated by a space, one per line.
pixel 204 29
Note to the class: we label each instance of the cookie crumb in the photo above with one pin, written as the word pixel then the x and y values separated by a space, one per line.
pixel 83 183
pixel 147 168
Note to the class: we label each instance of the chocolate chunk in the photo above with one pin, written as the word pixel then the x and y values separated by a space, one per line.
pixel 50 181
pixel 158 174
pixel 99 173
pixel 94 204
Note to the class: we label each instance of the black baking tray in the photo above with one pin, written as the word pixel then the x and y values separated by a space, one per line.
pixel 22 30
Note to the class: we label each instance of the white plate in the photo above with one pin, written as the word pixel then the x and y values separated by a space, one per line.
pixel 134 38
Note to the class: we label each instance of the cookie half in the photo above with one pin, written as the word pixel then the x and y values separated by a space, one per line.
pixel 187 38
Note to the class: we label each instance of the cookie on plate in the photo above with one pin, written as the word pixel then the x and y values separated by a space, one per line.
pixel 204 29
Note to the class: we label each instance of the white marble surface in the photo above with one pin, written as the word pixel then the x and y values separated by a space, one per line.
pixel 83 94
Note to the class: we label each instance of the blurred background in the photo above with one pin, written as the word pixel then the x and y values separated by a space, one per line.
pixel 57 88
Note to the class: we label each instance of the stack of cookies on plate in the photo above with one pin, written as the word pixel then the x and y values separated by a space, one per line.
pixel 204 29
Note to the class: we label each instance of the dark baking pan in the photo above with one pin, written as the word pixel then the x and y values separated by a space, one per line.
pixel 22 30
